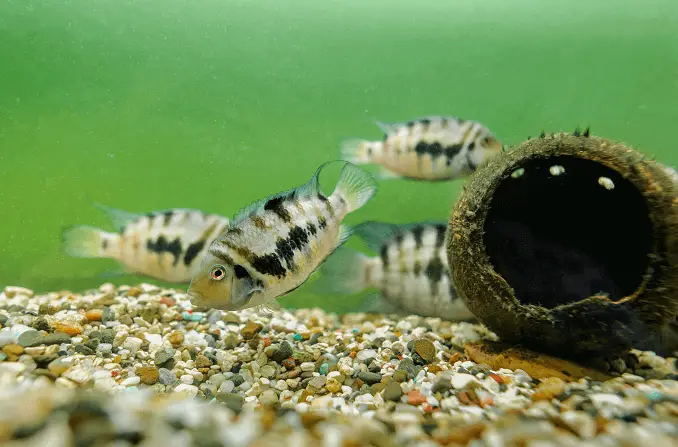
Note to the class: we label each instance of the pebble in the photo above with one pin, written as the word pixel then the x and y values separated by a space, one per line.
pixel 190 390
pixel 267 371
pixel 462 381
pixel 317 382
pixel 131 381
pixel 307 366
pixel 251 329
pixel 333 385
pixel 268 398
pixel 166 377
pixel 132 344
pixel 369 377
pixel 367 387
pixel 425 349
pixel 233 401
pixel 366 354
pixel 393 392
pixel 30 338
pixel 148 374
pixel 105 349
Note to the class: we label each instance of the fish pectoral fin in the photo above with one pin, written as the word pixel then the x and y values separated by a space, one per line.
pixel 387 174
pixel 268 309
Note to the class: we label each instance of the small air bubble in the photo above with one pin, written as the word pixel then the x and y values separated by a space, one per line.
pixel 556 170
pixel 518 173
pixel 606 183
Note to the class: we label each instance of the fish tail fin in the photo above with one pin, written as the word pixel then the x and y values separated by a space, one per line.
pixel 344 272
pixel 355 150
pixel 85 242
pixel 355 186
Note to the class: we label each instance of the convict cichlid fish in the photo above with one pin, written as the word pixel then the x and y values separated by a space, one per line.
pixel 165 245
pixel 432 148
pixel 410 271
pixel 274 244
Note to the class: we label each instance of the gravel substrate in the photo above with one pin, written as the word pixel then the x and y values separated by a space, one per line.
pixel 134 366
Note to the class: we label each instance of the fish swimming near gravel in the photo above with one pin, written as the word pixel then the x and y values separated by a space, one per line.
pixel 432 148
pixel 410 271
pixel 165 245
pixel 275 244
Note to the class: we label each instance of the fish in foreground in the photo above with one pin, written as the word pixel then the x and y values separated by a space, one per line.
pixel 410 271
pixel 166 245
pixel 275 244
pixel 432 148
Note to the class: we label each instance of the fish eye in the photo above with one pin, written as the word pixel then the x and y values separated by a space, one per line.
pixel 218 272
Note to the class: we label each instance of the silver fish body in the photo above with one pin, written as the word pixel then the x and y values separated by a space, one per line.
pixel 410 272
pixel 432 148
pixel 165 245
pixel 276 243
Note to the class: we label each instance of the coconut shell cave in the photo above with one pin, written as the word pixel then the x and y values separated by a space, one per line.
pixel 568 244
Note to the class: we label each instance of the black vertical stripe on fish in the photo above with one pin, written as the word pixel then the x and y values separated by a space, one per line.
pixel 192 251
pixel 240 271
pixel 167 217
pixel 435 270
pixel 104 244
pixel 322 223
pixel 452 151
pixel 161 246
pixel 440 235
pixel 268 264
pixel 285 248
pixel 470 162
pixel 312 230
pixel 276 204
pixel 425 123
pixel 222 256
pixel 418 233
pixel 383 253
pixel 417 268
pixel 471 145
pixel 399 239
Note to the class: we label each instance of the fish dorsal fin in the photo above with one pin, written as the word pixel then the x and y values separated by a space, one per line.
pixel 387 128
pixel 119 218
pixel 306 190
pixel 376 234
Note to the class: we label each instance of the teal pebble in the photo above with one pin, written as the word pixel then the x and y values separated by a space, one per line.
pixel 3 356
pixel 197 316
pixel 324 369
pixel 356 330
pixel 297 337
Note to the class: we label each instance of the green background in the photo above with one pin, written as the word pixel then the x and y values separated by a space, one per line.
pixel 146 105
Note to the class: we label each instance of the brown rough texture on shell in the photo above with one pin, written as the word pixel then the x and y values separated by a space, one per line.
pixel 591 326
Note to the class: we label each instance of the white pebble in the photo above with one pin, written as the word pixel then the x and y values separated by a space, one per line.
pixel 227 387
pixel 468 364
pixel 191 390
pixel 131 381
pixel 101 374
pixel 154 339
pixel 307 366
pixel 186 378
pixel 281 385
pixel 132 344
pixel 606 399
pixel 366 354
pixel 461 381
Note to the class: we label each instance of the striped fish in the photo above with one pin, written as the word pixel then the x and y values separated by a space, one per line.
pixel 274 244
pixel 411 270
pixel 165 245
pixel 432 148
